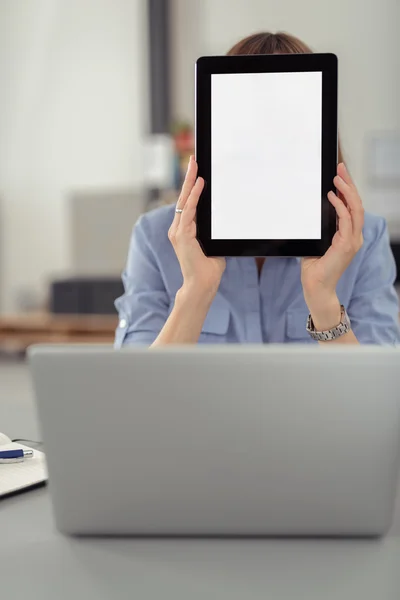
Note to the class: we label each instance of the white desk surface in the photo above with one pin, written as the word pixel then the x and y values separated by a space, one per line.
pixel 38 562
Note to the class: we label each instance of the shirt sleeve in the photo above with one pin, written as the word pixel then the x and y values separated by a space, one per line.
pixel 143 308
pixel 374 306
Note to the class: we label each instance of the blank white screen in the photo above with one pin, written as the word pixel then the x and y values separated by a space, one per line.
pixel 266 135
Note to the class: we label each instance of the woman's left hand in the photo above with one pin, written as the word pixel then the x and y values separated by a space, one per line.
pixel 319 276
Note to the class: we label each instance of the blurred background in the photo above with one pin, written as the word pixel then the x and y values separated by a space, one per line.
pixel 96 124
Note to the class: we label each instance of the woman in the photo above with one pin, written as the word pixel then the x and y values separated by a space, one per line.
pixel 174 294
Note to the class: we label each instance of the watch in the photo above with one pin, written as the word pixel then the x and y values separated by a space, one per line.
pixel 330 334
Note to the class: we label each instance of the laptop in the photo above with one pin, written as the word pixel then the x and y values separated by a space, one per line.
pixel 220 440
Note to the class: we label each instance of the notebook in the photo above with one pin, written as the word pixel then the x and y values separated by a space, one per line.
pixel 17 477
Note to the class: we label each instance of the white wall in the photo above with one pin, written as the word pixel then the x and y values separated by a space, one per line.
pixel 364 34
pixel 73 110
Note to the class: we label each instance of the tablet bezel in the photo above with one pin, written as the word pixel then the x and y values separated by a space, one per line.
pixel 277 63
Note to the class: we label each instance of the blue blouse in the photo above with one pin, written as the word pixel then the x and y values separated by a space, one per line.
pixel 249 308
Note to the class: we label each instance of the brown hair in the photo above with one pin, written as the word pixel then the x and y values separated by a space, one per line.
pixel 270 43
pixel 273 43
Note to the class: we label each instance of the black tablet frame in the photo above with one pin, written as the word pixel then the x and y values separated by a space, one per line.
pixel 208 65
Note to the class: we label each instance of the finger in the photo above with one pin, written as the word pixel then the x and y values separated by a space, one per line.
pixel 353 202
pixel 189 214
pixel 344 217
pixel 343 187
pixel 357 214
pixel 344 174
pixel 187 186
pixel 189 182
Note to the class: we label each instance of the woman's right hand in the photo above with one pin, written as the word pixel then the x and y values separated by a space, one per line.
pixel 201 274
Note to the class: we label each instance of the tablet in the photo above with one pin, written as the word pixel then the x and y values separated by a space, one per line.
pixel 266 145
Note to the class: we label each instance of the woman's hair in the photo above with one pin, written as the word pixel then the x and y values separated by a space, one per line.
pixel 270 43
pixel 273 43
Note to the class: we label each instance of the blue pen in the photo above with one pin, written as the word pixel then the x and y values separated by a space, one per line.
pixel 11 456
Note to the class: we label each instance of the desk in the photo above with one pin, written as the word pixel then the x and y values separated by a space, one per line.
pixel 37 562
pixel 17 332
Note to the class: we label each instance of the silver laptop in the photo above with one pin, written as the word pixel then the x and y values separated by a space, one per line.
pixel 238 440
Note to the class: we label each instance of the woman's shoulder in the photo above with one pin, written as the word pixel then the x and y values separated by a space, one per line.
pixel 153 225
pixel 374 228
pixel 157 219
pixel 376 243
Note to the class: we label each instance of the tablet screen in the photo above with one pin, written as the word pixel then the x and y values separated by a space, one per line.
pixel 266 137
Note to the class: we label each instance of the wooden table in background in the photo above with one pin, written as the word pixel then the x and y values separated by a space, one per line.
pixel 19 331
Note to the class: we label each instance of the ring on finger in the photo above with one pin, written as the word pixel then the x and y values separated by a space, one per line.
pixel 179 210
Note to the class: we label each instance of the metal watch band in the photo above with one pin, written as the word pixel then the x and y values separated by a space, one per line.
pixel 330 334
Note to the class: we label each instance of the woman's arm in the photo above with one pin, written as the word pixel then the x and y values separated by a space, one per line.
pixel 330 317
pixel 186 320
pixel 374 305
pixel 320 276
pixel 144 308
pixel 373 308
pixel 201 274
